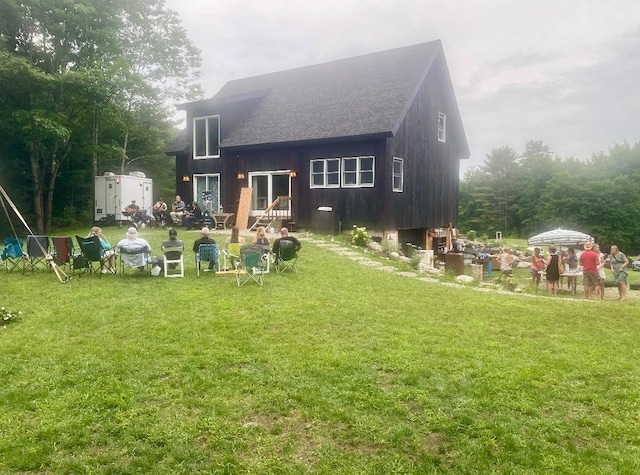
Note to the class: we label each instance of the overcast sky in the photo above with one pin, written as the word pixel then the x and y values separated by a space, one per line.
pixel 564 72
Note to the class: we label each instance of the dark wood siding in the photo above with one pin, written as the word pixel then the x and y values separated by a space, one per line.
pixel 360 206
pixel 431 168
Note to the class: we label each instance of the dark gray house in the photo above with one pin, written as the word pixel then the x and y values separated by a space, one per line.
pixel 375 138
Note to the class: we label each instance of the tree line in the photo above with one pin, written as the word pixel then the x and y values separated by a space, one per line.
pixel 87 86
pixel 522 194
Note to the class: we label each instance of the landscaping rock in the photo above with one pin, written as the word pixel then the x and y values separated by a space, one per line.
pixel 465 279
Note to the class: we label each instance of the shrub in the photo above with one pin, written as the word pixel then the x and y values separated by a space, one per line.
pixel 472 235
pixel 359 236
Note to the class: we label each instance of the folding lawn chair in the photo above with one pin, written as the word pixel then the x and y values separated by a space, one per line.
pixel 63 251
pixel 251 265
pixel 12 254
pixel 231 255
pixel 208 253
pixel 173 259
pixel 137 258
pixel 37 252
pixel 287 256
pixel 91 253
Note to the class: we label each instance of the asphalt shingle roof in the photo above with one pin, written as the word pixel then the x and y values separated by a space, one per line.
pixel 363 95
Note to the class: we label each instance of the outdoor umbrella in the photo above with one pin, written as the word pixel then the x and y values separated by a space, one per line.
pixel 559 237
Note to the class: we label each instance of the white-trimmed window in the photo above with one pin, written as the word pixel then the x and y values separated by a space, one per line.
pixel 442 127
pixel 398 174
pixel 206 137
pixel 325 173
pixel 358 171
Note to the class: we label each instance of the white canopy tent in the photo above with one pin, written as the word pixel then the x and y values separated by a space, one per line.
pixel 560 237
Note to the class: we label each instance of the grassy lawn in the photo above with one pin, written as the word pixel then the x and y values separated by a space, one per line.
pixel 341 368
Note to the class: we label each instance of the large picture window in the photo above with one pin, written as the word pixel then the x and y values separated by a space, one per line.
pixel 206 137
pixel 325 173
pixel 398 174
pixel 358 171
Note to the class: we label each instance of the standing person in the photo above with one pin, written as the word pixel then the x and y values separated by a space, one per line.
pixel 261 238
pixel 589 260
pixel 177 210
pixel 553 272
pixel 619 264
pixel 537 266
pixel 284 235
pixel 598 293
pixel 204 239
pixel 107 254
pixel 571 265
pixel 506 261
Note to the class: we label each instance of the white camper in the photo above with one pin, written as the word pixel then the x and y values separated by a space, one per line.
pixel 115 192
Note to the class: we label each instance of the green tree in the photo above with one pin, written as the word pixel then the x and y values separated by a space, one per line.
pixel 494 189
pixel 102 74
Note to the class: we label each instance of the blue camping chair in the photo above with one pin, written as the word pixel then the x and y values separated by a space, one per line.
pixel 12 255
pixel 208 253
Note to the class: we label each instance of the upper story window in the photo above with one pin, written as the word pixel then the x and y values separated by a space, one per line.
pixel 358 171
pixel 398 174
pixel 206 137
pixel 325 173
pixel 442 127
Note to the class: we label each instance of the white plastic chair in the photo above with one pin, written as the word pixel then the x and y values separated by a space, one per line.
pixel 174 258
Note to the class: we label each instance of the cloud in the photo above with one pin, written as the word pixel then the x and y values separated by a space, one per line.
pixel 561 72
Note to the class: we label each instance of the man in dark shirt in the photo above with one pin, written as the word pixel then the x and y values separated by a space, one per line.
pixel 204 239
pixel 284 235
pixel 192 215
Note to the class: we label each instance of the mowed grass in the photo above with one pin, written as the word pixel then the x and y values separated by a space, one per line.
pixel 340 368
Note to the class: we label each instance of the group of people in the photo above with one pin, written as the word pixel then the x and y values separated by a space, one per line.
pixel 180 214
pixel 132 243
pixel 592 261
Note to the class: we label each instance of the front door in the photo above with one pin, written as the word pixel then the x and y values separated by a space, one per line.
pixel 207 183
pixel 267 186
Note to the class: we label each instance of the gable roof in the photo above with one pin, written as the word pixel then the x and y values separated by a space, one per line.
pixel 361 96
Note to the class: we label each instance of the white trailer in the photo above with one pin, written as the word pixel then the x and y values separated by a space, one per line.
pixel 114 192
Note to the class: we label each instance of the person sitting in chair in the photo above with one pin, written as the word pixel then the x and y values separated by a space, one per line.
pixel 133 243
pixel 133 211
pixel 177 210
pixel 284 235
pixel 160 212
pixel 261 238
pixel 173 241
pixel 204 239
pixel 108 255
pixel 192 214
